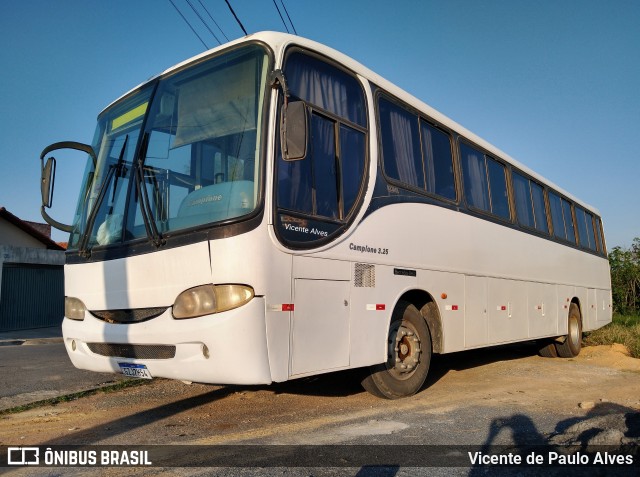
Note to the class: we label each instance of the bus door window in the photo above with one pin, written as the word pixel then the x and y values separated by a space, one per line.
pixel 323 160
pixel 322 189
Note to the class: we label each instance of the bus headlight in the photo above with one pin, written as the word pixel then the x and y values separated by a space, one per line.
pixel 74 308
pixel 209 299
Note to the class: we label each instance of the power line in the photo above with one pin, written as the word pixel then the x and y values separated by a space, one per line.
pixel 236 17
pixel 287 12
pixel 203 22
pixel 283 22
pixel 212 19
pixel 190 26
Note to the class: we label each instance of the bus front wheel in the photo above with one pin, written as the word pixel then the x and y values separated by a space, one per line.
pixel 408 356
pixel 570 348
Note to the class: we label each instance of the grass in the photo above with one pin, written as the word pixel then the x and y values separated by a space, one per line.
pixel 624 329
pixel 72 397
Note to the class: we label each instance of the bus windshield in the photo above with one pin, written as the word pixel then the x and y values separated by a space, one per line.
pixel 181 153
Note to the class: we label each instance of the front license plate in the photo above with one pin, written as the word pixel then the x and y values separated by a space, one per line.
pixel 135 370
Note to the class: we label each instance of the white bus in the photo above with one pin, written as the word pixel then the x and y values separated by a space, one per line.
pixel 271 209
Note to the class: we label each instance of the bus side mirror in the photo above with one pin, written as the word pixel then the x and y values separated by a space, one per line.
pixel 293 131
pixel 47 179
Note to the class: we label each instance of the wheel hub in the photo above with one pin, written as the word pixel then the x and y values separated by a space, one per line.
pixel 404 352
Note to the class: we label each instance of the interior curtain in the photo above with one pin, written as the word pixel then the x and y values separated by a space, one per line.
pixel 427 145
pixel 476 179
pixel 524 207
pixel 325 86
pixel 402 132
pixel 321 90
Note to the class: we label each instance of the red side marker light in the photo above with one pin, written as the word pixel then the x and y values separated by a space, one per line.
pixel 380 306
pixel 454 307
pixel 287 307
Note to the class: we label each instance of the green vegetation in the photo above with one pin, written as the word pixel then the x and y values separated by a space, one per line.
pixel 625 285
pixel 625 278
pixel 624 329
pixel 72 397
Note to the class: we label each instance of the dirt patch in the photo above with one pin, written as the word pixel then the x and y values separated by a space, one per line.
pixel 615 356
pixel 602 381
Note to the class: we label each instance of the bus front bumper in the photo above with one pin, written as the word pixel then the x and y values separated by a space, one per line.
pixel 225 348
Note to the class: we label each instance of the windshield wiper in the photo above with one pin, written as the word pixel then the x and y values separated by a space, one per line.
pixel 154 235
pixel 83 245
pixel 120 171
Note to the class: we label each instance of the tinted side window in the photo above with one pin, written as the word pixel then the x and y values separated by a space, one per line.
pixel 295 185
pixel 539 210
pixel 524 205
pixel 438 161
pixel 400 144
pixel 530 206
pixel 324 165
pixel 498 188
pixel 585 229
pixel 326 86
pixel 568 221
pixel 474 175
pixel 315 196
pixel 485 182
pixel 555 206
pixel 352 154
pixel 598 236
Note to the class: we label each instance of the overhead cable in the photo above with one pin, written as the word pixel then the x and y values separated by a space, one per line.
pixel 281 18
pixel 287 12
pixel 203 22
pixel 236 17
pixel 213 20
pixel 189 24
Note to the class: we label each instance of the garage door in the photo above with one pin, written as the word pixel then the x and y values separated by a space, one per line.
pixel 32 296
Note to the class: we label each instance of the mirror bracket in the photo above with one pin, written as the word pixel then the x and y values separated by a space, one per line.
pixel 48 175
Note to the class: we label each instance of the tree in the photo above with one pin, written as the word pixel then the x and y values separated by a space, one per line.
pixel 625 278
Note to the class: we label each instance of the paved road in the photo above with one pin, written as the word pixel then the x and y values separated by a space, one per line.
pixel 504 396
pixel 30 373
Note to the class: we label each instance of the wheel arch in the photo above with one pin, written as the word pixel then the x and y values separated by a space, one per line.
pixel 428 308
pixel 576 301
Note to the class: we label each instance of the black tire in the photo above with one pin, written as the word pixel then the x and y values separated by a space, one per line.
pixel 548 350
pixel 409 356
pixel 572 344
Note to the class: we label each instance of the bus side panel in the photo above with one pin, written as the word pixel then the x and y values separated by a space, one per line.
pixel 542 310
pixel 591 315
pixel 369 322
pixel 476 326
pixel 507 310
pixel 374 291
pixel 320 322
pixel 604 307
pixel 582 295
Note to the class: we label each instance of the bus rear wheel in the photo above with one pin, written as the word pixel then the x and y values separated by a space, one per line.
pixel 408 356
pixel 572 344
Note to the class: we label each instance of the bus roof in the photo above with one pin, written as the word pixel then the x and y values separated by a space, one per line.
pixel 280 41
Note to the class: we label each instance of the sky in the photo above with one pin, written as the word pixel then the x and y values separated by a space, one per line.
pixel 554 84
